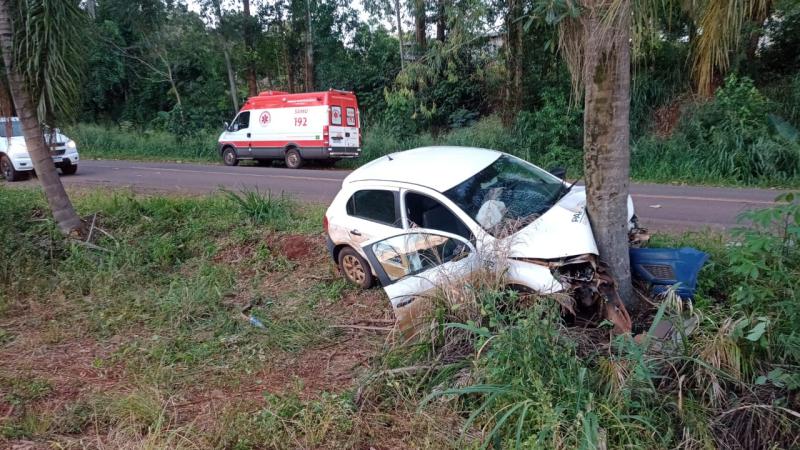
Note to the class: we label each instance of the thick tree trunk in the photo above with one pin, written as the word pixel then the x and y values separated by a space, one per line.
pixel 309 49
pixel 513 97
pixel 419 25
pixel 606 147
pixel 63 212
pixel 252 84
pixel 441 20
pixel 400 33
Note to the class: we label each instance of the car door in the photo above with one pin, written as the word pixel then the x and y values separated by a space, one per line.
pixel 412 265
pixel 371 213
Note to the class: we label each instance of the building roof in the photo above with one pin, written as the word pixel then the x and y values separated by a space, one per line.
pixel 438 168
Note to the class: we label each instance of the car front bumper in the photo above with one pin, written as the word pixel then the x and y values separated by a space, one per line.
pixel 24 163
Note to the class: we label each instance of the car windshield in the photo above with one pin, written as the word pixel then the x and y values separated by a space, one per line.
pixel 507 195
pixel 16 128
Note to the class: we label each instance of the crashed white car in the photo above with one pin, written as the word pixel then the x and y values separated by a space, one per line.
pixel 413 218
pixel 15 161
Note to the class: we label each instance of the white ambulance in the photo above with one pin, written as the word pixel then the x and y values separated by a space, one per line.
pixel 316 126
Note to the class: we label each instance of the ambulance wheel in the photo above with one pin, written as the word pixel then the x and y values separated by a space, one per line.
pixel 293 159
pixel 229 157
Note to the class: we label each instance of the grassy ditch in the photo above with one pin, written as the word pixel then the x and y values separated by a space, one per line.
pixel 139 342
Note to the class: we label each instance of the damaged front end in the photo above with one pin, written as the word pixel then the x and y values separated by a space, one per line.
pixel 592 289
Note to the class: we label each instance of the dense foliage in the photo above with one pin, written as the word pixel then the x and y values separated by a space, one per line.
pixel 163 69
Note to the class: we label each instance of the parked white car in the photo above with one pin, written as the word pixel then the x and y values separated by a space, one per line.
pixel 414 218
pixel 15 162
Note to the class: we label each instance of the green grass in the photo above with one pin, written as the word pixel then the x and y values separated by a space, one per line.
pixel 96 141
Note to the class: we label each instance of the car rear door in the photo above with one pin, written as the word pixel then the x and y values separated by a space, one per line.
pixel 413 264
pixel 343 129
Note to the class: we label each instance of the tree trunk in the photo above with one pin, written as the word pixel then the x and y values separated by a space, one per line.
pixel 441 20
pixel 513 100
pixel 419 25
pixel 227 55
pixel 606 148
pixel 231 76
pixel 91 7
pixel 252 84
pixel 400 33
pixel 63 212
pixel 309 50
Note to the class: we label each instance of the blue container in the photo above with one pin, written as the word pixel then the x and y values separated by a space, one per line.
pixel 665 267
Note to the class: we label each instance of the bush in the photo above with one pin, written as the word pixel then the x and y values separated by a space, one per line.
pixel 728 139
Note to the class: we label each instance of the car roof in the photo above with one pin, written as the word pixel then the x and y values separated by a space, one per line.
pixel 439 168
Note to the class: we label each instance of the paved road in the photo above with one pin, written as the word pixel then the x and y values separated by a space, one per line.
pixel 661 207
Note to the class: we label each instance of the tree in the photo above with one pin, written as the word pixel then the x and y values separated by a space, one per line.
pixel 309 49
pixel 419 25
pixel 249 42
pixel 42 76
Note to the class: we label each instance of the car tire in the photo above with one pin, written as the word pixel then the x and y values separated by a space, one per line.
pixel 293 159
pixel 355 268
pixel 8 171
pixel 229 157
pixel 68 168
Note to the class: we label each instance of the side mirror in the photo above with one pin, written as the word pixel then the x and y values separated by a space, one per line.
pixel 559 172
pixel 226 125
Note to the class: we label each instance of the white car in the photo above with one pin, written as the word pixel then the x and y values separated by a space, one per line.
pixel 413 218
pixel 15 161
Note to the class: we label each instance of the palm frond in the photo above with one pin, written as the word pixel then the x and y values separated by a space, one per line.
pixel 49 40
pixel 720 25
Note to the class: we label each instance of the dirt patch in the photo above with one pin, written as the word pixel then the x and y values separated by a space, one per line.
pixel 298 247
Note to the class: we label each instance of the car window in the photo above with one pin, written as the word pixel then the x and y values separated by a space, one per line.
pixel 351 117
pixel 16 128
pixel 425 212
pixel 336 115
pixel 242 121
pixel 376 205
pixel 410 254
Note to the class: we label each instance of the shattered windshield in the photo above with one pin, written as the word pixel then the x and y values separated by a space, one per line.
pixel 507 195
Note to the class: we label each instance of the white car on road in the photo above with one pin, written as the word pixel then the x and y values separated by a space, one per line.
pixel 15 162
pixel 414 218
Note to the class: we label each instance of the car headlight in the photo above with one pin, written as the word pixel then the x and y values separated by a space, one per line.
pixel 71 145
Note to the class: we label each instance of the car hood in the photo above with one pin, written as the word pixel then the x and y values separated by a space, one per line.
pixel 564 230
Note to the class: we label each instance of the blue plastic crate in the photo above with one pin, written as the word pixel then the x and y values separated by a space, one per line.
pixel 665 267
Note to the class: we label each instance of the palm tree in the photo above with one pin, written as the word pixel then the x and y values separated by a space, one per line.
pixel 595 39
pixel 40 42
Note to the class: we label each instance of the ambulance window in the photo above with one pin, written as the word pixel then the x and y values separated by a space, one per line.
pixel 336 115
pixel 351 117
pixel 375 205
pixel 242 121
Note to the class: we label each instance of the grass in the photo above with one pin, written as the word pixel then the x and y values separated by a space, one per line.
pixel 144 345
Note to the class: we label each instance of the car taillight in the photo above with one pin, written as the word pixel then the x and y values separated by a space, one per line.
pixel 325 223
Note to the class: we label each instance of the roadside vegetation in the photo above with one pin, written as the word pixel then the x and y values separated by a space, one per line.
pixel 138 339
pixel 740 137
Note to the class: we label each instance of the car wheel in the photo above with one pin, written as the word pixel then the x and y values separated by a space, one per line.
pixel 69 168
pixel 355 268
pixel 229 157
pixel 8 170
pixel 293 159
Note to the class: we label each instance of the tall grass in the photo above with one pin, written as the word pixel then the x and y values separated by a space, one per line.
pixel 97 141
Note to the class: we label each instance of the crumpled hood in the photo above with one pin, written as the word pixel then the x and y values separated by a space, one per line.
pixel 564 230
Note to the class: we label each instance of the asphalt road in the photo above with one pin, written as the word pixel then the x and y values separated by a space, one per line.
pixel 660 207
